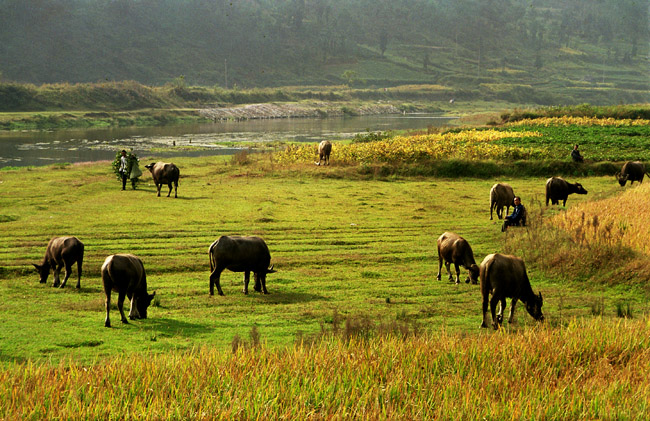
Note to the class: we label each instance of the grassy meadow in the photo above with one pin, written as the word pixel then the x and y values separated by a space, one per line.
pixel 355 324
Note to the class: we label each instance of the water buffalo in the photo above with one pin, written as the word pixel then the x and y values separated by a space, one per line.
pixel 124 274
pixel 164 173
pixel 631 171
pixel 240 254
pixel 505 276
pixel 455 249
pixel 501 195
pixel 324 150
pixel 558 189
pixel 62 251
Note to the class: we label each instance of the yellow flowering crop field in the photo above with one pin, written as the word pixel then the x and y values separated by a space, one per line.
pixel 467 144
pixel 580 121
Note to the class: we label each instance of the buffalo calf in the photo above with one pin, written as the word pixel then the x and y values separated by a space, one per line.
pixel 453 248
pixel 60 252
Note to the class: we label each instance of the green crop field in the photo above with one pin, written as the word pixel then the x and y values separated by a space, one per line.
pixel 355 255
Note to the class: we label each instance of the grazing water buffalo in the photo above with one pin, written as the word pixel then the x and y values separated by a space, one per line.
pixel 631 171
pixel 164 173
pixel 62 251
pixel 324 150
pixel 501 195
pixel 558 189
pixel 455 249
pixel 240 254
pixel 124 274
pixel 505 276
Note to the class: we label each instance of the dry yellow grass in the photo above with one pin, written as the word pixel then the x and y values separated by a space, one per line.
pixel 609 220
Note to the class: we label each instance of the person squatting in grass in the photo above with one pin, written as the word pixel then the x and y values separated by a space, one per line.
pixel 575 154
pixel 517 218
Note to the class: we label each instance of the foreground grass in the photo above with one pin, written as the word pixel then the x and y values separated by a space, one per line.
pixel 595 369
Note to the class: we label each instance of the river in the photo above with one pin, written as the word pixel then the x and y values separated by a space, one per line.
pixel 34 148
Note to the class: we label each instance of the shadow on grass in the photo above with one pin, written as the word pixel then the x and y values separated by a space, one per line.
pixel 173 327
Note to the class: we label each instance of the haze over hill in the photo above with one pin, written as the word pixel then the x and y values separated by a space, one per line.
pixel 555 51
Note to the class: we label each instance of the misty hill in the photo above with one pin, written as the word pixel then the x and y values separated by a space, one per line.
pixel 544 51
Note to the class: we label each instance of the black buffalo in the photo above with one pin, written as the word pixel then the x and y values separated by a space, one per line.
pixel 164 173
pixel 559 189
pixel 631 171
pixel 240 254
pixel 124 274
pixel 453 248
pixel 60 252
pixel 504 277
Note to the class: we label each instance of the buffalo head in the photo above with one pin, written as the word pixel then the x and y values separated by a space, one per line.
pixel 622 179
pixel 577 187
pixel 43 270
pixel 143 303
pixel 473 274
pixel 534 307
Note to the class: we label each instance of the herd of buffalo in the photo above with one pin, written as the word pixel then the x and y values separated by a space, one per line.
pixel 502 276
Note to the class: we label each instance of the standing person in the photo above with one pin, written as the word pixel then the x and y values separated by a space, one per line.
pixel 518 216
pixel 575 154
pixel 124 166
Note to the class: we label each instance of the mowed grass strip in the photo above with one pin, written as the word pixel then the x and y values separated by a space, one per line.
pixel 355 247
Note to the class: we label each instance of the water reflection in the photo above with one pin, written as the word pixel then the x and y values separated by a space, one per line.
pixel 78 145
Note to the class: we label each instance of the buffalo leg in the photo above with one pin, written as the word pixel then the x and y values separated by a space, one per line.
pixel 447 266
pixel 258 284
pixel 170 188
pixel 511 316
pixel 57 274
pixel 457 273
pixel 485 309
pixel 107 321
pixel 120 306
pixel 79 264
pixel 175 189
pixel 247 278
pixel 439 276
pixel 502 306
pixel 68 272
pixel 493 308
pixel 215 280
pixel 158 187
pixel 262 279
pixel 133 311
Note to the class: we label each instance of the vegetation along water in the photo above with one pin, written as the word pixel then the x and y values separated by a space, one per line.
pixel 355 325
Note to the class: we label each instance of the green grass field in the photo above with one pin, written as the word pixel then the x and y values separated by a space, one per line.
pixel 355 254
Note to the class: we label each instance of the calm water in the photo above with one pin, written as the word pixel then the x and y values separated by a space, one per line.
pixel 79 145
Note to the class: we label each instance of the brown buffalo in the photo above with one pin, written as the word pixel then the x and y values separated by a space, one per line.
pixel 324 150
pixel 60 252
pixel 631 171
pixel 559 189
pixel 501 195
pixel 164 173
pixel 240 254
pixel 505 276
pixel 124 274
pixel 453 248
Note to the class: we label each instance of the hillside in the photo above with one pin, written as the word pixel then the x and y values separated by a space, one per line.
pixel 544 52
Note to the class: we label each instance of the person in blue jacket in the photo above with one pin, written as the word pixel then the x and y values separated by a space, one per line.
pixel 518 216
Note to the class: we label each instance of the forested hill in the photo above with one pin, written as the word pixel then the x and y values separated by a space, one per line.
pixel 549 45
